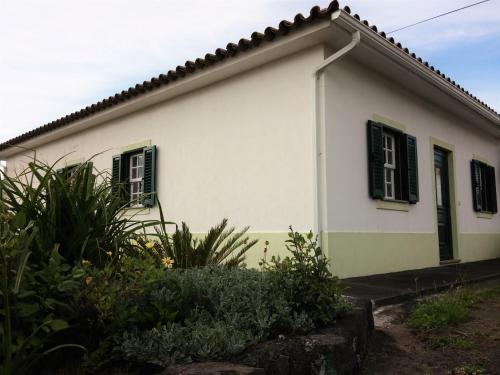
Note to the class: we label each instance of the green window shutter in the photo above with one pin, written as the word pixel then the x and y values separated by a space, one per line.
pixel 475 168
pixel 492 190
pixel 149 198
pixel 376 160
pixel 116 174
pixel 410 168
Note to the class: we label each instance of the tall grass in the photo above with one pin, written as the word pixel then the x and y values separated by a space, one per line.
pixel 442 311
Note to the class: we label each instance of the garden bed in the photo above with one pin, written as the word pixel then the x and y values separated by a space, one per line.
pixel 87 289
pixel 337 349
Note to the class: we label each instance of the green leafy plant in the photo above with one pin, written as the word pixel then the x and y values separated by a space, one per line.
pixel 220 246
pixel 79 212
pixel 307 279
pixel 25 337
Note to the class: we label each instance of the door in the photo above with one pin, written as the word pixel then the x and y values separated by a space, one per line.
pixel 441 174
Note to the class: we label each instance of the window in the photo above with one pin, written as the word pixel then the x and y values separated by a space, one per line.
pixel 389 166
pixel 484 195
pixel 393 164
pixel 133 177
pixel 136 174
pixel 68 171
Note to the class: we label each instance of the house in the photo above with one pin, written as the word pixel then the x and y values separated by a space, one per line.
pixel 323 123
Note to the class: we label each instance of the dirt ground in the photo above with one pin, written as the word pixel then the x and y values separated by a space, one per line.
pixel 468 348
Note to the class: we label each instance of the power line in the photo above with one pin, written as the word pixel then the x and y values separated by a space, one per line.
pixel 440 15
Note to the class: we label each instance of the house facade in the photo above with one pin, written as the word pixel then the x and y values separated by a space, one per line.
pixel 323 124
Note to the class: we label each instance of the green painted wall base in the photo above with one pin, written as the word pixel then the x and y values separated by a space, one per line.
pixel 258 252
pixel 475 247
pixel 360 253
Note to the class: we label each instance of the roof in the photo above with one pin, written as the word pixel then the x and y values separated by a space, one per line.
pixel 232 49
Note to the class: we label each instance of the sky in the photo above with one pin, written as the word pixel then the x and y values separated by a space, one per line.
pixel 57 56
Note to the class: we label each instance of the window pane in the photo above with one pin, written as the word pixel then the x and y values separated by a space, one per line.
pixel 389 158
pixel 439 192
pixel 389 143
pixel 388 175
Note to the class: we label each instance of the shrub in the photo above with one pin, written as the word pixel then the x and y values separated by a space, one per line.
pixel 74 220
pixel 83 271
pixel 306 280
pixel 187 315
pixel 158 318
pixel 439 312
pixel 30 322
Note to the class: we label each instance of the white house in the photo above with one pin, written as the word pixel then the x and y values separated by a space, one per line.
pixel 323 123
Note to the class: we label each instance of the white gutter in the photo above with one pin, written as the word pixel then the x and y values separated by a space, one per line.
pixel 319 146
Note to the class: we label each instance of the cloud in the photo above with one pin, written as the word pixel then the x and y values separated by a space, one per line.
pixel 58 56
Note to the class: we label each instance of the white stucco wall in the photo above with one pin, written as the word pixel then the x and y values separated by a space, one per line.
pixel 353 95
pixel 241 148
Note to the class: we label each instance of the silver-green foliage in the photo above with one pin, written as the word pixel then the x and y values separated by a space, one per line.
pixel 222 312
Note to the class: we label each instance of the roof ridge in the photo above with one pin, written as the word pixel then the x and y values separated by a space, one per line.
pixel 220 54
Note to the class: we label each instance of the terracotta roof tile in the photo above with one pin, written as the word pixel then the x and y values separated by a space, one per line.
pixel 220 54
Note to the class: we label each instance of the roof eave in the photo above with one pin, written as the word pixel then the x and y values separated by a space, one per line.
pixel 398 55
pixel 301 39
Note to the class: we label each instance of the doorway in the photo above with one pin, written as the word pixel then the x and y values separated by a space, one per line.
pixel 443 207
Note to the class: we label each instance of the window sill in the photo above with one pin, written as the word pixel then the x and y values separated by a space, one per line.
pixel 484 215
pixel 133 211
pixel 393 205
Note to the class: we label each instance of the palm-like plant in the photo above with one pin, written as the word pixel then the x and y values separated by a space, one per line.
pixel 220 246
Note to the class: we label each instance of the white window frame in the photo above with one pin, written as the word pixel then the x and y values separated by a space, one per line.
pixel 138 180
pixel 389 168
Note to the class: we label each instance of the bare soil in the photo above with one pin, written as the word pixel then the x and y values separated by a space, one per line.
pixel 396 349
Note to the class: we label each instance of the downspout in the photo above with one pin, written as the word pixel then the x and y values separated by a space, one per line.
pixel 319 137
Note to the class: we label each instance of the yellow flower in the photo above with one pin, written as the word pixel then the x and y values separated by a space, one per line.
pixel 168 262
pixel 150 245
pixel 109 253
pixel 86 262
pixel 88 280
